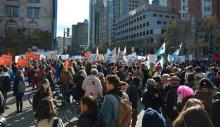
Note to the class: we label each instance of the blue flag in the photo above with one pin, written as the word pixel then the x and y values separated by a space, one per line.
pixel 161 50
pixel 177 52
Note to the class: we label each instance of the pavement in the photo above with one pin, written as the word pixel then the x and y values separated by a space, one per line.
pixel 26 118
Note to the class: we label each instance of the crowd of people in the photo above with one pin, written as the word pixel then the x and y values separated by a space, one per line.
pixel 175 95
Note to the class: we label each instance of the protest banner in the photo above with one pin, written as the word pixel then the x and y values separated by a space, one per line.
pixel 22 62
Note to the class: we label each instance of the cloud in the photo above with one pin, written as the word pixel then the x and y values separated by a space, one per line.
pixel 70 12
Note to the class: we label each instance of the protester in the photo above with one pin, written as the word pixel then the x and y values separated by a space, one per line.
pixel 44 91
pixel 88 116
pixel 205 93
pixel 193 116
pixel 92 85
pixel 46 115
pixel 110 109
pixel 124 88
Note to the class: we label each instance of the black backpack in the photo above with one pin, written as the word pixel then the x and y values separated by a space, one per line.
pixel 216 109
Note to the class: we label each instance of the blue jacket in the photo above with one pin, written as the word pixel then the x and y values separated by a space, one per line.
pixel 109 111
pixel 152 118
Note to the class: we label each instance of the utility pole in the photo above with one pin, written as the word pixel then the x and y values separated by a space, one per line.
pixel 64 43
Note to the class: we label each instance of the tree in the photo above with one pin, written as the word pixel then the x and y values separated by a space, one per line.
pixel 178 32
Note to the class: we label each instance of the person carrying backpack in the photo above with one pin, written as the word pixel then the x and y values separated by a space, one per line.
pixel 215 109
pixel 19 89
pixel 115 112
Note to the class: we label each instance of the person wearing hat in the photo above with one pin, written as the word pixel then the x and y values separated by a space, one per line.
pixel 171 98
pixel 153 102
pixel 205 92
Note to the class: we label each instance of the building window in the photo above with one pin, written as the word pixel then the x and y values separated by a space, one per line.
pixel 134 20
pixel 137 19
pixel 167 16
pixel 137 27
pixel 151 31
pixel 158 22
pixel 144 24
pixel 160 15
pixel 147 23
pixel 137 34
pixel 141 26
pixel 144 33
pixel 11 11
pixel 141 34
pixel 154 15
pixel 147 32
pixel 144 16
pixel 33 12
pixel 141 18
pixel 172 17
pixel 34 1
pixel 165 23
pixel 208 8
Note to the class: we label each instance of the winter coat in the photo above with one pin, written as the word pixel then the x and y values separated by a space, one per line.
pixel 92 86
pixel 49 123
pixel 15 86
pixel 87 119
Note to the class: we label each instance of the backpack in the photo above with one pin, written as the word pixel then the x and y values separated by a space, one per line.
pixel 124 112
pixel 21 87
pixel 6 82
pixel 215 109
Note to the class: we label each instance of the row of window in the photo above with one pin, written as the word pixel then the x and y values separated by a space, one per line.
pixel 138 27
pixel 141 34
pixel 143 17
pixel 13 11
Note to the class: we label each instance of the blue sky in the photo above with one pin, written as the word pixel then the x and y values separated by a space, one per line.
pixel 70 12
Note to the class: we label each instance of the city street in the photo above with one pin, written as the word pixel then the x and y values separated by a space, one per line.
pixel 26 118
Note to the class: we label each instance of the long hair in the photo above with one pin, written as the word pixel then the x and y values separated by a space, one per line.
pixel 45 110
pixel 45 89
pixel 189 104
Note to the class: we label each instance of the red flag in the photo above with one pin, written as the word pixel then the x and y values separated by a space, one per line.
pixel 22 62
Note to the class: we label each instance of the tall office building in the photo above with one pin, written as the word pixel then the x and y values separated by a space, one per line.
pixel 194 9
pixel 27 23
pixel 113 10
pixel 96 23
pixel 79 36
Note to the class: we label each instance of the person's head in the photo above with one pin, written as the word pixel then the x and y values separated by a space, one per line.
pixel 151 83
pixel 193 117
pixel 184 92
pixel 158 68
pixel 129 76
pixel 198 70
pixel 19 74
pixel 114 69
pixel 45 88
pixel 82 73
pixel 157 80
pixel 94 72
pixel 87 104
pixel 113 82
pixel 123 86
pixel 205 84
pixel 165 78
pixel 192 102
pixel 136 81
pixel 174 70
pixel 175 81
pixel 45 109
pixel 121 68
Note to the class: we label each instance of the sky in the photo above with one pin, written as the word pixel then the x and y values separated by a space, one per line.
pixel 71 12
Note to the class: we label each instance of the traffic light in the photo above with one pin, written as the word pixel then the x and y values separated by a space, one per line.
pixel 68 32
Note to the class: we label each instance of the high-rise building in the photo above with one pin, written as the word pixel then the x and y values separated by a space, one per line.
pixel 194 9
pixel 27 23
pixel 113 10
pixel 159 2
pixel 144 26
pixel 96 23
pixel 79 36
